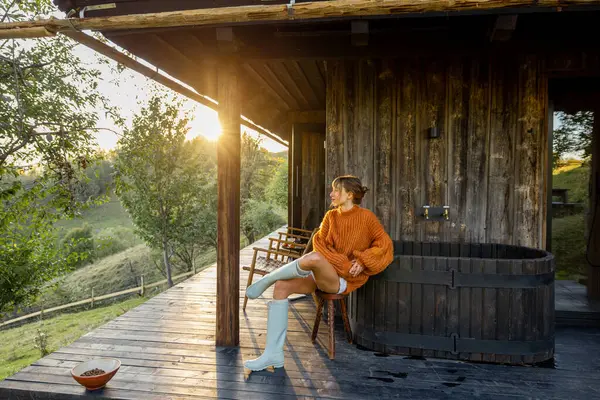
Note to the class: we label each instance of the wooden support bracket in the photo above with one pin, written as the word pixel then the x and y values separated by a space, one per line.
pixel 360 33
pixel 504 28
pixel 226 40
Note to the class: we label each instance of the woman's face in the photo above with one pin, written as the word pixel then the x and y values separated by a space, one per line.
pixel 339 196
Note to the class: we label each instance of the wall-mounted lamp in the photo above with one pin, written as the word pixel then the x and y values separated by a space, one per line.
pixel 434 132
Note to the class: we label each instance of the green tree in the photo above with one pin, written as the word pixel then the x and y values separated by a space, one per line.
pixel 198 230
pixel 81 242
pixel 573 135
pixel 163 180
pixel 47 98
pixel 259 218
pixel 97 181
pixel 277 190
pixel 256 170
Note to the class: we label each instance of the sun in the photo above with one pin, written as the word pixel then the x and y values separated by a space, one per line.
pixel 206 123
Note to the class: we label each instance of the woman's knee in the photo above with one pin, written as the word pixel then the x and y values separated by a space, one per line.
pixel 282 290
pixel 312 260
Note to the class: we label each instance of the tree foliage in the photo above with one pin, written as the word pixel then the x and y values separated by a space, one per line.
pixel 47 98
pixel 164 182
pixel 256 168
pixel 81 242
pixel 574 135
pixel 257 165
pixel 277 191
pixel 259 218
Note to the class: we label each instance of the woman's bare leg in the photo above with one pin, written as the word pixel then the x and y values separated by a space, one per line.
pixel 326 276
pixel 283 289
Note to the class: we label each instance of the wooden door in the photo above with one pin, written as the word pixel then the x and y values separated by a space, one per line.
pixel 308 176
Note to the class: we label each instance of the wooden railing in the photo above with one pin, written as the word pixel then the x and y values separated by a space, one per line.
pixel 141 289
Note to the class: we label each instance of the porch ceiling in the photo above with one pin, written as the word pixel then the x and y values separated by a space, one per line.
pixel 270 88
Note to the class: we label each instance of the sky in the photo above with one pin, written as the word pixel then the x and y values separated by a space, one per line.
pixel 129 90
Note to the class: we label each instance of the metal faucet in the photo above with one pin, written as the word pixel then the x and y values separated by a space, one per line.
pixel 446 213
pixel 426 212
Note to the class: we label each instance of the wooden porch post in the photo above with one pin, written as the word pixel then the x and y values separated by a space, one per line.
pixel 593 278
pixel 228 210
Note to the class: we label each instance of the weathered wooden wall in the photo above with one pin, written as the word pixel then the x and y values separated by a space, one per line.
pixel 313 171
pixel 489 163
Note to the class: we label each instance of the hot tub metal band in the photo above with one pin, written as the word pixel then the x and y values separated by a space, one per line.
pixel 455 279
pixel 453 343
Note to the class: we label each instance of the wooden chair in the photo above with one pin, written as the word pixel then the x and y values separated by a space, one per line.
pixel 263 264
pixel 322 298
pixel 293 237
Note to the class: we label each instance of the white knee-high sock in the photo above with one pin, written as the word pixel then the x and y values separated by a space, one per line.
pixel 288 271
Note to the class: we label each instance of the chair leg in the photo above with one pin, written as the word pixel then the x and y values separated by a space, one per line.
pixel 250 276
pixel 347 327
pixel 331 320
pixel 315 298
pixel 245 302
pixel 315 331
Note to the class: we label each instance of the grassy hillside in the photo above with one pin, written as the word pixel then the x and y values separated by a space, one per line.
pixel 569 246
pixel 108 215
pixel 568 233
pixel 111 274
pixel 17 345
pixel 127 258
pixel 575 178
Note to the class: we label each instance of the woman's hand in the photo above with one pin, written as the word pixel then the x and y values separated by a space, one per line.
pixel 356 268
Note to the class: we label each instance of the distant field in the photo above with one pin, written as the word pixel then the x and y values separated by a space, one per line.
pixel 108 215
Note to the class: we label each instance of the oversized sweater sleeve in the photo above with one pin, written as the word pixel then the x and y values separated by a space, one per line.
pixel 381 253
pixel 320 244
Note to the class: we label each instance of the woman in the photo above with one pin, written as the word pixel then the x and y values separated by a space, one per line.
pixel 350 246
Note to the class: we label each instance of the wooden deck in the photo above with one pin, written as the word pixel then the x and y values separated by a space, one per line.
pixel 573 308
pixel 167 351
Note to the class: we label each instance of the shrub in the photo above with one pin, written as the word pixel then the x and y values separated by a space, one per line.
pixel 110 241
pixel 80 242
pixel 259 219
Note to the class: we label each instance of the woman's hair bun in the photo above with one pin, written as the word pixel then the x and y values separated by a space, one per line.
pixel 365 189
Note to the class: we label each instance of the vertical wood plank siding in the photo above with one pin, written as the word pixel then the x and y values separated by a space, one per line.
pixel 488 163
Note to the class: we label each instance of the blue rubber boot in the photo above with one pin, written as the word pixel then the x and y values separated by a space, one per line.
pixel 277 322
pixel 288 271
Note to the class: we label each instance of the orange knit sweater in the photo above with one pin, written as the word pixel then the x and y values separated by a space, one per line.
pixel 354 234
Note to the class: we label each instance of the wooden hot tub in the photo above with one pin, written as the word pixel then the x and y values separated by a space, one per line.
pixel 479 302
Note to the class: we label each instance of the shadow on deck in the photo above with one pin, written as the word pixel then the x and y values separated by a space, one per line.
pixel 167 351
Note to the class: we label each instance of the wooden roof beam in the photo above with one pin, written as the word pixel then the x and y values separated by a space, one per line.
pixel 280 13
pixel 504 27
